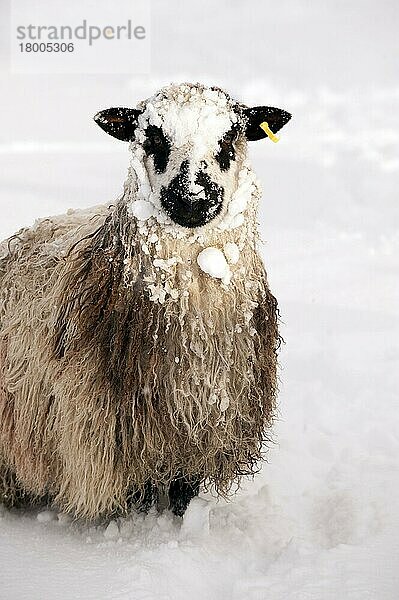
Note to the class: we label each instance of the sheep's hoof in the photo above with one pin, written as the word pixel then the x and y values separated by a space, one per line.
pixel 181 491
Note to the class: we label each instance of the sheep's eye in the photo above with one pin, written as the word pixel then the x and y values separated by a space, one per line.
pixel 157 146
pixel 228 139
pixel 154 138
pixel 226 150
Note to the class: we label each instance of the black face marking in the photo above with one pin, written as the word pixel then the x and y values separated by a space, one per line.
pixel 158 146
pixel 227 151
pixel 187 209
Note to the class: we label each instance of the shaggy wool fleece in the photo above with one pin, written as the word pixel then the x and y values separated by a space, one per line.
pixel 103 390
pixel 124 364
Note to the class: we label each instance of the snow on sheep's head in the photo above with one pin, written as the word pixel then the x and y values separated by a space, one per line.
pixel 189 145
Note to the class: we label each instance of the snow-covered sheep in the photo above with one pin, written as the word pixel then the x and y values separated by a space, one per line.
pixel 138 341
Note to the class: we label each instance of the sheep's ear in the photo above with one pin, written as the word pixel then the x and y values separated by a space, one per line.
pixel 118 122
pixel 276 118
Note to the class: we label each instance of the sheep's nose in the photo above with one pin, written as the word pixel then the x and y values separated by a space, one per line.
pixel 191 192
pixel 191 199
pixel 184 169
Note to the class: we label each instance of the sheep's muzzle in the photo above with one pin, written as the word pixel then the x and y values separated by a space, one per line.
pixel 188 205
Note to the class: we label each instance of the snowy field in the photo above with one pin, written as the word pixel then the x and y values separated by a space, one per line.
pixel 321 520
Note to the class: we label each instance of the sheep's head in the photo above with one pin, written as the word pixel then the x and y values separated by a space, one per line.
pixel 189 144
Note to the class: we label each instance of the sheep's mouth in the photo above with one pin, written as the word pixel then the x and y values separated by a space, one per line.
pixel 188 209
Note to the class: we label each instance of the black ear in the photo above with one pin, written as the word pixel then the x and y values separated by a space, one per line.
pixel 118 122
pixel 276 118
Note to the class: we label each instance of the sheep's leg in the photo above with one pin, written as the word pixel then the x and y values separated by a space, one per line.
pixel 143 500
pixel 181 491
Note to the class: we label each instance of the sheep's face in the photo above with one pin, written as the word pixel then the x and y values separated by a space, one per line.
pixel 191 141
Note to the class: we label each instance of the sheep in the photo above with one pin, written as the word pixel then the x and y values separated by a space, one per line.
pixel 138 340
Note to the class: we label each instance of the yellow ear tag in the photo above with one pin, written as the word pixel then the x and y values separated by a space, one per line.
pixel 274 138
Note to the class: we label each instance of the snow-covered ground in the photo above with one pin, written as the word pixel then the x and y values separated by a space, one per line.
pixel 321 520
